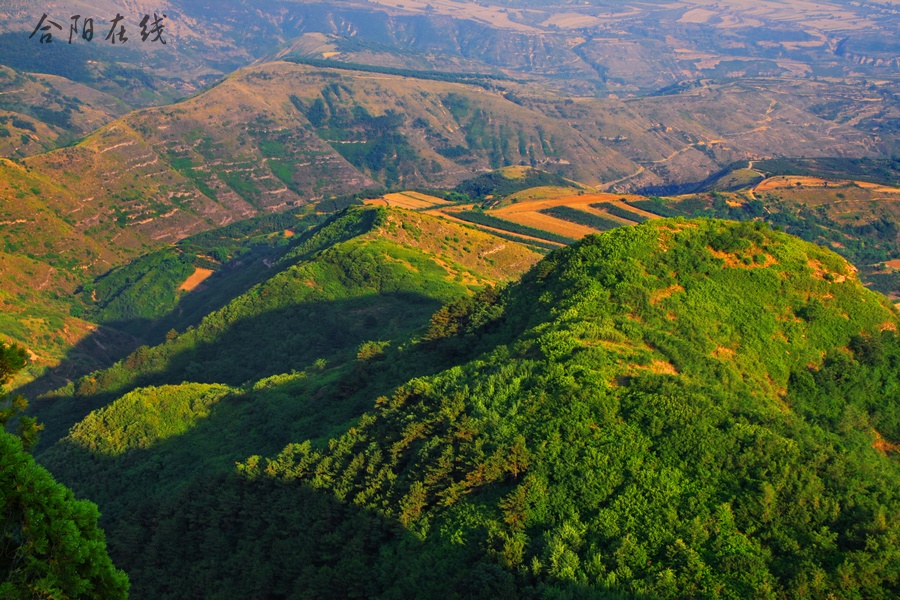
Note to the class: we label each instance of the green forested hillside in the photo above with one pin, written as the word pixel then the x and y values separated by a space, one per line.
pixel 363 276
pixel 675 409
pixel 50 545
pixel 144 296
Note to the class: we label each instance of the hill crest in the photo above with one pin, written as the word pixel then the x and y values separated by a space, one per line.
pixel 689 393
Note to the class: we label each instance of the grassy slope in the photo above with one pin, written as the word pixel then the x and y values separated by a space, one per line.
pixel 856 221
pixel 367 274
pixel 646 427
pixel 241 148
pixel 43 258
pixel 638 415
pixel 49 111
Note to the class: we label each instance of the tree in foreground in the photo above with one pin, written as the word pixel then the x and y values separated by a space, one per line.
pixel 50 545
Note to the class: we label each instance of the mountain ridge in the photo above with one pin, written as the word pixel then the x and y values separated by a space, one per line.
pixel 608 425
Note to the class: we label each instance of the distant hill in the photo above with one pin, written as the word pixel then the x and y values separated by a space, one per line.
pixel 884 171
pixel 504 182
pixel 41 112
pixel 278 136
pixel 679 408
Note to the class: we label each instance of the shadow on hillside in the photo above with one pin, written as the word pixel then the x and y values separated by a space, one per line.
pixel 231 281
pixel 114 340
pixel 704 185
pixel 280 341
pixel 182 523
pixel 97 350
pixel 224 536
pixel 224 285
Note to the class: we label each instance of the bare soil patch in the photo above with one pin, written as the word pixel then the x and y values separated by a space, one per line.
pixel 820 272
pixel 662 294
pixel 723 353
pixel 733 262
pixel 884 446
pixel 662 367
pixel 193 282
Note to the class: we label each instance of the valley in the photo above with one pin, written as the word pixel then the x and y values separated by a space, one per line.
pixel 452 299
pixel 357 374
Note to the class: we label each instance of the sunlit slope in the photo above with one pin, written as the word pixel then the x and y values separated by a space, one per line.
pixel 680 408
pixel 40 112
pixel 368 274
pixel 676 410
pixel 248 145
pixel 44 256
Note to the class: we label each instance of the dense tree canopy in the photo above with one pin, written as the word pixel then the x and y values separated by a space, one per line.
pixel 50 545
pixel 677 409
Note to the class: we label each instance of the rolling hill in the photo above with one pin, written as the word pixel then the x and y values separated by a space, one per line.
pixel 40 112
pixel 364 275
pixel 678 408
pixel 272 391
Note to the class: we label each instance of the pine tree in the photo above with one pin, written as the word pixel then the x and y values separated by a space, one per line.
pixel 50 545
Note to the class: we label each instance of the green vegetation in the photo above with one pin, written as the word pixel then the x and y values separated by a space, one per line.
pixel 142 418
pixel 618 211
pixel 236 236
pixel 657 206
pixel 573 215
pixel 675 409
pixel 244 187
pixel 884 171
pixel 12 360
pixel 865 244
pixel 498 184
pixel 146 290
pixel 50 545
pixel 199 178
pixel 530 449
pixel 367 142
pixel 481 218
pixel 337 286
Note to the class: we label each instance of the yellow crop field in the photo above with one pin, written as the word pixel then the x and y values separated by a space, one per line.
pixel 410 200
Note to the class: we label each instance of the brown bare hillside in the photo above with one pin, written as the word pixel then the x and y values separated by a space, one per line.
pixel 463 250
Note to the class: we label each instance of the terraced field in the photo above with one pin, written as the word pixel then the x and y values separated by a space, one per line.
pixel 410 200
pixel 542 209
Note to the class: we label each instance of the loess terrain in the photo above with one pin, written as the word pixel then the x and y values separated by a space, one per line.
pixel 704 374
pixel 452 299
